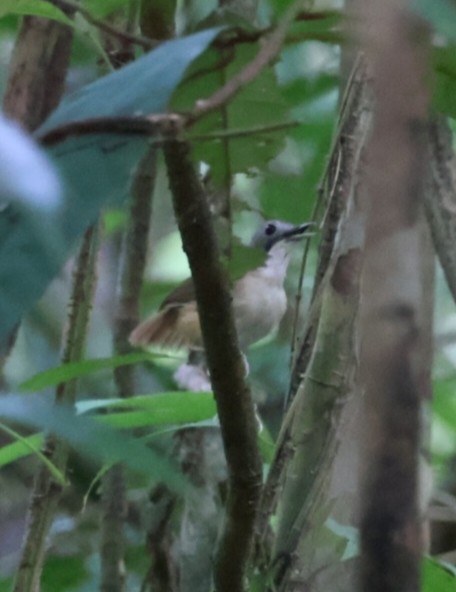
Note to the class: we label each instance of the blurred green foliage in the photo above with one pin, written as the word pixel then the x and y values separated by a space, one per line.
pixel 276 175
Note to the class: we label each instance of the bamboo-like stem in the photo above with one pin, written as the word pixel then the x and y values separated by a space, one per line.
pixel 440 200
pixel 394 351
pixel 46 492
pixel 131 271
pixel 38 69
pixel 332 314
pixel 233 398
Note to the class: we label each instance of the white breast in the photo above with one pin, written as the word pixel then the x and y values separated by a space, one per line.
pixel 259 299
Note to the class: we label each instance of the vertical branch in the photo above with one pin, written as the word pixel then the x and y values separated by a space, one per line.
pixel 34 87
pixel 233 398
pixel 310 434
pixel 440 199
pixel 392 340
pixel 46 492
pixel 133 259
pixel 336 189
pixel 37 71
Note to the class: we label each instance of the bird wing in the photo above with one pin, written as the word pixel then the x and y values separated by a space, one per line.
pixel 182 294
pixel 175 326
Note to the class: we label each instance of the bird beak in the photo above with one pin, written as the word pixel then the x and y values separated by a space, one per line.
pixel 300 231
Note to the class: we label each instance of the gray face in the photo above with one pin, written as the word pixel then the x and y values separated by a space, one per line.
pixel 273 231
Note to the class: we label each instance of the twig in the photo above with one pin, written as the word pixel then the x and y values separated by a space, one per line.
pixel 440 202
pixel 233 398
pixel 131 272
pixel 268 52
pixel 326 354
pixel 46 492
pixel 144 42
pixel 152 127
pixel 172 124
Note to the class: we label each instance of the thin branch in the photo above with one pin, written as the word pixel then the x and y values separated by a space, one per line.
pixel 233 398
pixel 174 123
pixel 268 52
pixel 133 260
pixel 151 127
pixel 104 26
pixel 46 492
pixel 440 202
pixel 326 356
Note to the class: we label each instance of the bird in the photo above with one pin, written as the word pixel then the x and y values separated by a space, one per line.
pixel 259 300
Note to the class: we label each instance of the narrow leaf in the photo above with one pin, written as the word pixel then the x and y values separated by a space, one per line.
pixel 16 450
pixel 89 437
pixel 74 370
pixel 55 472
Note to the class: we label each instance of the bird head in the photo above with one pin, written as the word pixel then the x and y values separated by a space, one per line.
pixel 272 232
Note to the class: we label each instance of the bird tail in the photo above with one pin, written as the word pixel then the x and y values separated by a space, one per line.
pixel 158 330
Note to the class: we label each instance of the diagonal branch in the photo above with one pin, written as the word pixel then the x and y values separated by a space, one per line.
pixel 269 51
pixel 70 5
pixel 173 124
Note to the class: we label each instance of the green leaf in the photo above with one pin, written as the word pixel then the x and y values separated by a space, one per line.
pixel 181 407
pixel 325 27
pixel 157 18
pixel 142 87
pixel 64 573
pixel 436 577
pixel 444 80
pixel 98 442
pixel 55 472
pixel 267 446
pixel 102 8
pixel 152 410
pixel 16 450
pixel 444 401
pixel 67 372
pixel 96 170
pixel 34 8
pixel 243 259
pixel 440 13
pixel 259 106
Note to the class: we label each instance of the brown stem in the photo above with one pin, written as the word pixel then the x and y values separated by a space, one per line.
pixel 440 200
pixel 34 87
pixel 133 258
pixel 37 71
pixel 233 398
pixel 46 492
pixel 393 348
pixel 268 52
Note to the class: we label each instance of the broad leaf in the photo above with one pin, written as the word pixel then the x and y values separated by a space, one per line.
pixel 257 106
pixel 89 437
pixel 436 577
pixel 96 169
pixel 33 8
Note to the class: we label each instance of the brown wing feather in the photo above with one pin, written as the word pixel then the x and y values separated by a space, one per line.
pixel 174 327
pixel 182 294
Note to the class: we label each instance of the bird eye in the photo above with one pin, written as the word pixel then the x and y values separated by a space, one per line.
pixel 270 229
